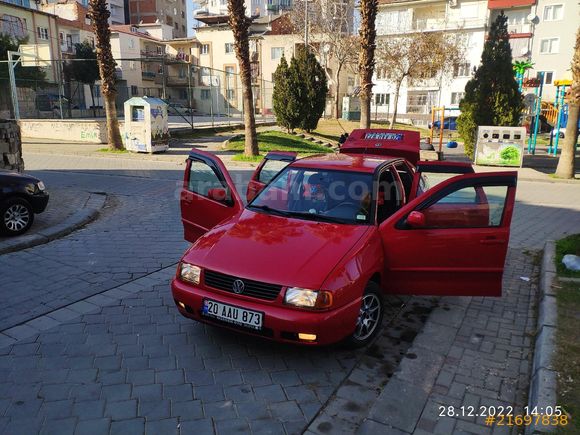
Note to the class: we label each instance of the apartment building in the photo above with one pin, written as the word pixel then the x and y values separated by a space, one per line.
pixel 467 19
pixel 169 12
pixel 555 23
pixel 270 39
pixel 542 31
pixel 253 7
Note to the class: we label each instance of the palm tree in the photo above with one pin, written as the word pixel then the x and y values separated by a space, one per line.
pixel 366 62
pixel 566 163
pixel 99 15
pixel 239 24
pixel 520 68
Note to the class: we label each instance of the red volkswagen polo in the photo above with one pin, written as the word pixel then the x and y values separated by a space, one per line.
pixel 323 238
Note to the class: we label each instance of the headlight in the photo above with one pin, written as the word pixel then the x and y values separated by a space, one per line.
pixel 301 297
pixel 40 186
pixel 189 272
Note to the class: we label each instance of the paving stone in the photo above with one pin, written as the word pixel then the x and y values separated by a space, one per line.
pixel 63 426
pixel 93 427
pixel 270 393
pixel 190 410
pixel 121 410
pixel 197 427
pixel 135 426
pixel 147 392
pixel 166 426
pixel 156 409
pixel 220 410
pixel 89 409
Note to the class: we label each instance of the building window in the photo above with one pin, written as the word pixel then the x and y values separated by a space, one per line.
pixel 183 94
pixel 548 76
pixel 205 94
pixel 229 70
pixel 183 28
pixel 276 52
pixel 553 12
pixel 176 26
pixel 462 70
pixel 182 14
pixel 456 97
pixel 229 47
pixel 132 65
pixel 134 91
pixel 230 94
pixel 382 99
pixel 204 48
pixel 131 43
pixel 42 33
pixel 549 45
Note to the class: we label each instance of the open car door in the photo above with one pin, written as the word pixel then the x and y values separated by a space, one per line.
pixel 208 195
pixel 452 240
pixel 272 164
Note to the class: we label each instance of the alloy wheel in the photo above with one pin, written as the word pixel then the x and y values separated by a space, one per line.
pixel 16 218
pixel 368 318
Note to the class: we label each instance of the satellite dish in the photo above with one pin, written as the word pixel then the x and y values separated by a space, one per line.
pixel 532 18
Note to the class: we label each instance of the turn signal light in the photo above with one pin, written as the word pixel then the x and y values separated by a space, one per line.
pixel 306 337
pixel 324 299
pixel 181 305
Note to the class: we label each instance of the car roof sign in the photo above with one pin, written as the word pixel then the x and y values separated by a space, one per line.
pixel 386 142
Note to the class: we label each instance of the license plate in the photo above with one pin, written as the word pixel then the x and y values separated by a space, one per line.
pixel 231 314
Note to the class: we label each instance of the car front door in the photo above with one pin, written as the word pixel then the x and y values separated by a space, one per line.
pixel 272 164
pixel 452 239
pixel 208 195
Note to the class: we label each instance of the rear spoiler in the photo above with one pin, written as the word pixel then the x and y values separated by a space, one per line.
pixel 384 142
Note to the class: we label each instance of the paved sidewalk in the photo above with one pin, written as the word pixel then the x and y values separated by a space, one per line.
pixel 63 202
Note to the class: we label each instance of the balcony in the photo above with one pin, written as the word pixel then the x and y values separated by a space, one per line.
pixel 177 81
pixel 429 24
pixel 520 29
pixel 148 75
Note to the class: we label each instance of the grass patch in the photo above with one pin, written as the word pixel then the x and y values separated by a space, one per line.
pixel 278 141
pixel 202 132
pixel 108 150
pixel 243 158
pixel 567 245
pixel 331 129
pixel 568 354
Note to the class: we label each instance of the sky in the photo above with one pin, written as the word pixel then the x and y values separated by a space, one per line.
pixel 190 8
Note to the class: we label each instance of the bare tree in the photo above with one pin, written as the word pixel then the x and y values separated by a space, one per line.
pixel 566 163
pixel 330 37
pixel 99 15
pixel 366 61
pixel 240 24
pixel 416 57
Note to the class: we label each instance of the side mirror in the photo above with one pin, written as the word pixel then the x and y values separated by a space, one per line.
pixel 217 194
pixel 416 219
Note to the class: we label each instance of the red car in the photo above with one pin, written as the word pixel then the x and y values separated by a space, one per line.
pixel 324 238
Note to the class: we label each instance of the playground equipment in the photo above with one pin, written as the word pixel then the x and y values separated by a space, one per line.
pixel 559 105
pixel 538 85
pixel 439 112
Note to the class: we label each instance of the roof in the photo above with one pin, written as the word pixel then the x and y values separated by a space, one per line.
pixel 126 28
pixel 344 162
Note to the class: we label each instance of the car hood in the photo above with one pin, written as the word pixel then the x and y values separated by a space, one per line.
pixel 274 249
pixel 16 177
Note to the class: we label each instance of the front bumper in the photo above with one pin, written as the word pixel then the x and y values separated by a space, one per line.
pixel 279 324
pixel 39 201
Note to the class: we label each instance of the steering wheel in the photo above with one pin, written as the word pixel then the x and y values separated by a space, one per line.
pixel 350 209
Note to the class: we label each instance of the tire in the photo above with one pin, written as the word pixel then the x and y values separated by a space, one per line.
pixel 364 334
pixel 16 217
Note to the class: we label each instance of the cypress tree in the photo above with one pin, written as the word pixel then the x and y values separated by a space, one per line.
pixel 491 96
pixel 313 88
pixel 286 95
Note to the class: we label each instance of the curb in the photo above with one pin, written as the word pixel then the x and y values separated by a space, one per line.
pixel 542 392
pixel 88 213
pixel 225 143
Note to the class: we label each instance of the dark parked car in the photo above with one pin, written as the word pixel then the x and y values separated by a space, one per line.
pixel 21 196
pixel 450 123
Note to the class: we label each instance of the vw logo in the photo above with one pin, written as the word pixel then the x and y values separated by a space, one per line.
pixel 238 286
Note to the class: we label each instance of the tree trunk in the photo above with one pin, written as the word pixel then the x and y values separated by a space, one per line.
pixel 566 163
pixel 239 24
pixel 366 63
pixel 337 95
pixel 99 15
pixel 395 104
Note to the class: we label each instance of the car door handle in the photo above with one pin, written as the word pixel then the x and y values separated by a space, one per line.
pixel 492 241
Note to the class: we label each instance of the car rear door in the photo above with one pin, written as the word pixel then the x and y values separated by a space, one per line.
pixel 272 164
pixel 208 195
pixel 435 252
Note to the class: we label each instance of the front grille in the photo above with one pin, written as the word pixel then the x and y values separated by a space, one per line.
pixel 255 289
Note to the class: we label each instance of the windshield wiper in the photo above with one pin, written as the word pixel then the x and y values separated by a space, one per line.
pixel 316 217
pixel 269 209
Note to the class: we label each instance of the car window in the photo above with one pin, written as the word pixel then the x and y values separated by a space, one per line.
pixel 316 194
pixel 271 169
pixel 202 178
pixel 406 177
pixel 469 207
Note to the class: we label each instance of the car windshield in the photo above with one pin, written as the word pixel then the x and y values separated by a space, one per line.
pixel 319 195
